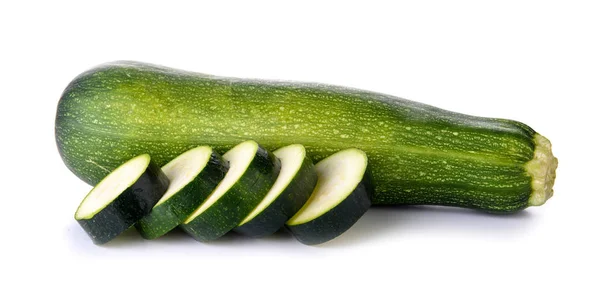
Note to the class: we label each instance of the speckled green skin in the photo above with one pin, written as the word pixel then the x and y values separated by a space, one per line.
pixel 172 212
pixel 290 201
pixel 419 154
pixel 235 204
pixel 130 206
pixel 340 218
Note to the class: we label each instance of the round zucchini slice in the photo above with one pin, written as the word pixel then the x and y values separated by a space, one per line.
pixel 343 194
pixel 252 171
pixel 121 199
pixel 193 175
pixel 291 190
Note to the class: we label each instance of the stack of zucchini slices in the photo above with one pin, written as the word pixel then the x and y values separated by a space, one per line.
pixel 248 190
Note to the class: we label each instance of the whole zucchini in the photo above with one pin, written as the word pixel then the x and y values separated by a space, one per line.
pixel 419 154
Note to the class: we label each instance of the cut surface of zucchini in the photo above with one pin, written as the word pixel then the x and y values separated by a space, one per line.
pixel 342 195
pixel 121 199
pixel 193 175
pixel 252 171
pixel 291 190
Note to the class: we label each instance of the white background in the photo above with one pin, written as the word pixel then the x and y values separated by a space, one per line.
pixel 533 61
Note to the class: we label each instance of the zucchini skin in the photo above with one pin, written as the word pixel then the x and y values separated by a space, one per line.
pixel 131 205
pixel 290 201
pixel 340 218
pixel 420 155
pixel 235 204
pixel 168 215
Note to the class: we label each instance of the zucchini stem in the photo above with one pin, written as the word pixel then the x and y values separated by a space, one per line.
pixel 542 169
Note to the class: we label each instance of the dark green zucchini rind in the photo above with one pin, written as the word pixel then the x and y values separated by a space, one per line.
pixel 289 201
pixel 234 198
pixel 331 223
pixel 131 204
pixel 167 215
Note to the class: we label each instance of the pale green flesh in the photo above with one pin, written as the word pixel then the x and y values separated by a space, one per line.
pixel 291 158
pixel 183 169
pixel 112 186
pixel 338 175
pixel 239 158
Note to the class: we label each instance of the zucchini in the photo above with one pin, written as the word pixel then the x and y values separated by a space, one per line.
pixel 193 175
pixel 419 154
pixel 122 198
pixel 291 190
pixel 342 195
pixel 252 171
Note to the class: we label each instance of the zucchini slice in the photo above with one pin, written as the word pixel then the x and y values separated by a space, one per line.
pixel 252 171
pixel 290 192
pixel 343 194
pixel 193 175
pixel 121 199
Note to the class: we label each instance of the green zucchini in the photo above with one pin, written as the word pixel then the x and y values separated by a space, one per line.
pixel 419 154
pixel 252 171
pixel 291 190
pixel 343 194
pixel 122 198
pixel 193 175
